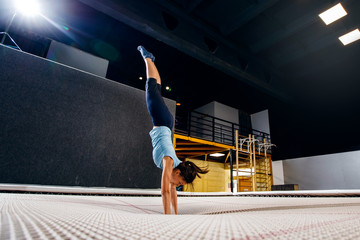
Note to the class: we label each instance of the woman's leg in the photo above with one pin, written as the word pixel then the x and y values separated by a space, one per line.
pixel 151 70
pixel 158 111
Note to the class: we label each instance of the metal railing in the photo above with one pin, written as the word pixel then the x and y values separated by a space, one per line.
pixel 214 129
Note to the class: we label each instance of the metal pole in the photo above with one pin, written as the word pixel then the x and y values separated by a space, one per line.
pixel 254 159
pixel 231 171
pixel 7 28
pixel 237 160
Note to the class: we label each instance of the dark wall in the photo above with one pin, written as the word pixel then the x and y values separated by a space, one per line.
pixel 62 126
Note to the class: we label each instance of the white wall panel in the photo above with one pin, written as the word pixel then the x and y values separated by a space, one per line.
pixel 332 171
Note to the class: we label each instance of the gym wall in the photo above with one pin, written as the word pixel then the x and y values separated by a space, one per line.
pixel 63 126
pixel 324 172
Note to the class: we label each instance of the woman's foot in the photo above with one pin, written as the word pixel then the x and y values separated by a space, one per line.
pixel 145 53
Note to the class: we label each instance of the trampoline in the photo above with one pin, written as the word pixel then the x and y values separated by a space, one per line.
pixel 100 213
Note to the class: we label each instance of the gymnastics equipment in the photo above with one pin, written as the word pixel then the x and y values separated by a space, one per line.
pixel 254 166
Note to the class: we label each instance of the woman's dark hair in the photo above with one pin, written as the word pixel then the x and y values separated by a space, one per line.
pixel 190 171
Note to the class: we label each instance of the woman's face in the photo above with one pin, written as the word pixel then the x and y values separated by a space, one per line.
pixel 176 178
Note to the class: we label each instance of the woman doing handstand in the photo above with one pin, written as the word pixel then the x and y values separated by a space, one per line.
pixel 175 172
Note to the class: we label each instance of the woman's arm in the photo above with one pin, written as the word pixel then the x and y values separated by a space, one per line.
pixel 165 183
pixel 174 198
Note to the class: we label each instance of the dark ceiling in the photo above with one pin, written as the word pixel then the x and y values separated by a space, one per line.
pixel 251 55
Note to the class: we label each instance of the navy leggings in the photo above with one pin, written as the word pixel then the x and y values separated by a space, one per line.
pixel 159 112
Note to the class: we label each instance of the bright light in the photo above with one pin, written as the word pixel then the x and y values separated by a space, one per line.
pixel 178 104
pixel 350 37
pixel 217 154
pixel 168 88
pixel 244 172
pixel 140 78
pixel 333 14
pixel 28 7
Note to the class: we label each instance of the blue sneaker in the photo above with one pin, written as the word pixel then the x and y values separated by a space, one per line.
pixel 145 53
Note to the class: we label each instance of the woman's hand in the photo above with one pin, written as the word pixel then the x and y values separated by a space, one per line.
pixel 174 198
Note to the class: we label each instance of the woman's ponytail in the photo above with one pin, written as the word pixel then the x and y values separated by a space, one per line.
pixel 190 171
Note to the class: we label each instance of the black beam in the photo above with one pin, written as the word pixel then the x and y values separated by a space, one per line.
pixel 188 37
pixel 247 15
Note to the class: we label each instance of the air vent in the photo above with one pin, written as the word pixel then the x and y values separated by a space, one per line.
pixel 170 22
pixel 244 64
pixel 211 44
pixel 268 77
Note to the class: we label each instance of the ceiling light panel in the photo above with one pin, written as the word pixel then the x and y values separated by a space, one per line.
pixel 217 154
pixel 333 14
pixel 350 37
